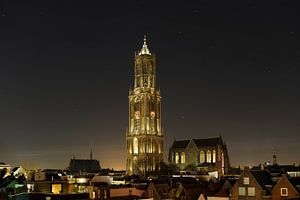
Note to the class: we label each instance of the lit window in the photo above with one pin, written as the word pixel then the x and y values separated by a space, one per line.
pixel 208 156
pixel 284 192
pixel 56 188
pixel 105 194
pixel 137 115
pixel 202 157
pixel 176 157
pixel 242 191
pixel 135 145
pixel 214 156
pixel 246 180
pixel 183 157
pixel 251 191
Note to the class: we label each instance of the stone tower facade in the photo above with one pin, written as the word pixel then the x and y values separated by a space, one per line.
pixel 144 138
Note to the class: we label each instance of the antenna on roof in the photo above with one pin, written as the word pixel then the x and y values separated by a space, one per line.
pixel 91 152
pixel 274 157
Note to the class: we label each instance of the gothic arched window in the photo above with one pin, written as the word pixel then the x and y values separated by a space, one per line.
pixel 208 156
pixel 182 157
pixel 202 157
pixel 214 156
pixel 177 158
pixel 135 145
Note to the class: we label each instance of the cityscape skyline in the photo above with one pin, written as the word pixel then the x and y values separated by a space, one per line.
pixel 230 71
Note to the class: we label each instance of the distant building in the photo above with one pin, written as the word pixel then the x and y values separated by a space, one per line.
pixel 255 184
pixel 4 170
pixel 84 166
pixel 207 155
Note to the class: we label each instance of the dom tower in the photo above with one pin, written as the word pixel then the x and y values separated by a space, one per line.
pixel 144 134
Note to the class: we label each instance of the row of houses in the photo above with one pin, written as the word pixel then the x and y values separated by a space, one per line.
pixel 270 182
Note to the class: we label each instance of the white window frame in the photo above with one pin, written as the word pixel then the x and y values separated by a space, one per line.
pixel 284 194
pixel 246 180
pixel 251 191
pixel 244 191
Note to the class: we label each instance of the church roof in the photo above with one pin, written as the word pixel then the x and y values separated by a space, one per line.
pixel 208 141
pixel 182 144
pixel 84 165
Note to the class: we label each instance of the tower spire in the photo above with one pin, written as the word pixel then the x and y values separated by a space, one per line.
pixel 145 49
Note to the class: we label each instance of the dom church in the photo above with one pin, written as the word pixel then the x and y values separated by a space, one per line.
pixel 144 138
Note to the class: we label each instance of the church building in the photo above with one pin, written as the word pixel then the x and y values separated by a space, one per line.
pixel 144 137
pixel 206 155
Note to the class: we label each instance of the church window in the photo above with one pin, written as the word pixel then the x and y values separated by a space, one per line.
pixel 208 156
pixel 177 158
pixel 135 145
pixel 202 157
pixel 223 163
pixel 214 156
pixel 182 157
pixel 105 194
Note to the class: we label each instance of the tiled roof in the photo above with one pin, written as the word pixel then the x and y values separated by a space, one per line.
pixel 295 181
pixel 263 178
pixel 162 190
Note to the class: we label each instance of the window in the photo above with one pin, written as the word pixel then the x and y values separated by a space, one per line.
pixel 214 156
pixel 56 188
pixel 246 180
pixel 208 156
pixel 105 194
pixel 242 191
pixel 176 157
pixel 283 192
pixel 182 157
pixel 135 145
pixel 202 157
pixel 251 191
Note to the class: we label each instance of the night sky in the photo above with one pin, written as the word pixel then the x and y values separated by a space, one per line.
pixel 229 69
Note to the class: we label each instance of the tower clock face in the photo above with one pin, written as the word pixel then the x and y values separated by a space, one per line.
pixel 137 114
pixel 152 114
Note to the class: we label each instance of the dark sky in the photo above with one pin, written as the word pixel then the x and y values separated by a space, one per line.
pixel 224 68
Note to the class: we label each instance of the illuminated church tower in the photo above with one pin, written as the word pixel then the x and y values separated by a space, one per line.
pixel 144 134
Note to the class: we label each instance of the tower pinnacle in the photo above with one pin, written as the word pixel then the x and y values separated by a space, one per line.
pixel 145 49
